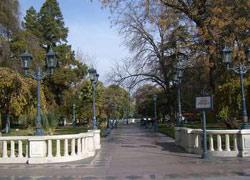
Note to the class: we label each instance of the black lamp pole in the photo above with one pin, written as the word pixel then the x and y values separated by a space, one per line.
pixel 180 66
pixel 241 69
pixel 94 78
pixel 39 75
pixel 155 113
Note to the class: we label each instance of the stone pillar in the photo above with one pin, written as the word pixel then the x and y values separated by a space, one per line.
pixel 1 144
pixel 227 142
pixel 20 149
pixel 219 147
pixel 58 148
pixel 37 150
pixel 244 143
pixel 177 135
pixel 97 138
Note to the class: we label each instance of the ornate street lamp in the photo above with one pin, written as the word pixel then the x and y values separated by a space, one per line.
pixel 93 78
pixel 38 75
pixel 179 69
pixel 74 115
pixel 155 113
pixel 241 69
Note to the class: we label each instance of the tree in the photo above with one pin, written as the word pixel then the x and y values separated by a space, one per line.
pixel 18 96
pixel 211 25
pixel 116 102
pixel 218 23
pixel 22 41
pixel 154 43
pixel 9 25
pixel 9 21
pixel 214 23
pixel 47 27
pixel 158 39
pixel 32 22
pixel 81 96
pixel 144 100
pixel 41 30
pixel 52 24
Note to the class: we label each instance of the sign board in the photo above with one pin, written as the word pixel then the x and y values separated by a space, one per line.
pixel 204 103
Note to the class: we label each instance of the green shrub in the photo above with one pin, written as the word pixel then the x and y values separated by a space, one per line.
pixel 53 119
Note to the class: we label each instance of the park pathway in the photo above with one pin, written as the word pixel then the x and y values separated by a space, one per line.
pixel 131 152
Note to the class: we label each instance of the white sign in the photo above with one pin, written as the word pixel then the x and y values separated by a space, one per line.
pixel 204 102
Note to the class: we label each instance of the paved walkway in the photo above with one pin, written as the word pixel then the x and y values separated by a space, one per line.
pixel 131 152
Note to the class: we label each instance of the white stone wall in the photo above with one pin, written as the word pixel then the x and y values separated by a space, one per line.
pixel 49 149
pixel 223 143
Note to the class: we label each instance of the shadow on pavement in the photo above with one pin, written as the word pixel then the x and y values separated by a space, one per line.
pixel 170 147
pixel 178 151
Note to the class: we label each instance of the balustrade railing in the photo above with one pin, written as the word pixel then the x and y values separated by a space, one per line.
pixel 49 149
pixel 226 143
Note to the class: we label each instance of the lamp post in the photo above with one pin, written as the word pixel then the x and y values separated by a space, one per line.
pixel 114 118
pixel 128 108
pixel 155 113
pixel 74 116
pixel 241 69
pixel 180 66
pixel 39 75
pixel 93 78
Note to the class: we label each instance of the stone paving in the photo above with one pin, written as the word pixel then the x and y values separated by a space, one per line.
pixel 131 152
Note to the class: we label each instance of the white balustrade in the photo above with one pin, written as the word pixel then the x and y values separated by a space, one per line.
pixel 27 150
pixel 66 151
pixel 5 149
pixel 20 149
pixel 48 149
pixel 227 141
pixel 83 145
pixel 219 142
pixel 12 149
pixel 196 144
pixel 79 146
pixel 58 148
pixel 73 146
pixel 235 148
pixel 211 142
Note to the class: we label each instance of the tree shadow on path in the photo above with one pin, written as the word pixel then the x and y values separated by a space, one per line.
pixel 177 150
pixel 170 147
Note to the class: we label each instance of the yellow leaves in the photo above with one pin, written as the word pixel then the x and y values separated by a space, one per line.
pixel 17 104
pixel 216 10
pixel 18 94
pixel 218 22
pixel 163 22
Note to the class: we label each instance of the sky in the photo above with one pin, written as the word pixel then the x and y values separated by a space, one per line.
pixel 90 32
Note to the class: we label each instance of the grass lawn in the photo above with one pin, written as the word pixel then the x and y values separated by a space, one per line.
pixel 165 129
pixel 58 131
pixel 70 130
pixel 20 132
pixel 210 125
pixel 169 131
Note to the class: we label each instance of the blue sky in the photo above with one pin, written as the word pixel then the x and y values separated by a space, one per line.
pixel 89 31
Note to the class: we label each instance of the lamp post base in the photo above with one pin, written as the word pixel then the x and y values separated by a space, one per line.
pixel 179 123
pixel 156 126
pixel 39 132
pixel 245 125
pixel 205 155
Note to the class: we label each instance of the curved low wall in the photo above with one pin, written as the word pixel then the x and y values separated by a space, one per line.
pixel 223 143
pixel 49 149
